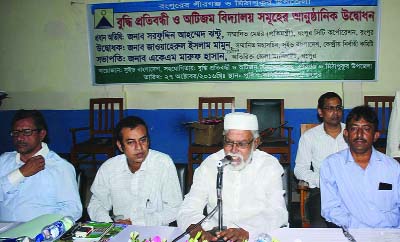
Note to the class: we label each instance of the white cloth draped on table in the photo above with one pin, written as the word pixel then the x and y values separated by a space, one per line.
pixel 393 137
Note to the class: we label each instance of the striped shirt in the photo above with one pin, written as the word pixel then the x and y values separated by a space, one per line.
pixel 314 146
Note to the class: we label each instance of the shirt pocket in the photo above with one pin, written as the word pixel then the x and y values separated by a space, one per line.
pixel 384 200
pixel 150 204
pixel 44 188
pixel 150 198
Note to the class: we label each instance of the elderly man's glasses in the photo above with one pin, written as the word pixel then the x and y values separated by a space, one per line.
pixel 24 132
pixel 333 108
pixel 241 145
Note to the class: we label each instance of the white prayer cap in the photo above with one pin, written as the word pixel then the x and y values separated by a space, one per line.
pixel 240 121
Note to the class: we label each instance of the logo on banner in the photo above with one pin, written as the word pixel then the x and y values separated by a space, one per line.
pixel 104 18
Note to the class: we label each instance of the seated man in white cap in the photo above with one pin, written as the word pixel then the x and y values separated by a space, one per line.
pixel 252 193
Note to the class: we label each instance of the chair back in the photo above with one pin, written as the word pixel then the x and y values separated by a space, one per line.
pixel 286 185
pixel 105 113
pixel 305 127
pixel 270 114
pixel 215 107
pixel 383 107
pixel 182 171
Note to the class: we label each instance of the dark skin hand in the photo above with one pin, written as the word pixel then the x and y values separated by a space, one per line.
pixel 232 234
pixel 124 221
pixel 32 166
pixel 204 234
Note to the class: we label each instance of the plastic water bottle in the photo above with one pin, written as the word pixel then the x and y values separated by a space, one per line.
pixel 55 230
pixel 263 238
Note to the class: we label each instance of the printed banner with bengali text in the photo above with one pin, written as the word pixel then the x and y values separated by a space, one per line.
pixel 192 41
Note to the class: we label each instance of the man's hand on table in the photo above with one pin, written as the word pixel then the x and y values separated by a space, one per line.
pixel 124 221
pixel 231 234
pixel 234 234
pixel 204 234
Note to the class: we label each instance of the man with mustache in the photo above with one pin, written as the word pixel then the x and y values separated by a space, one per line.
pixel 140 186
pixel 33 179
pixel 360 186
pixel 252 193
pixel 314 146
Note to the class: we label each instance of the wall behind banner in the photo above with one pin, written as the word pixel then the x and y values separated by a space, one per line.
pixel 45 65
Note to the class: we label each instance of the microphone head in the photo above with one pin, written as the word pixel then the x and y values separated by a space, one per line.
pixel 226 161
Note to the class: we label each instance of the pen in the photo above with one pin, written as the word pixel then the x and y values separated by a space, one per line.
pixel 348 235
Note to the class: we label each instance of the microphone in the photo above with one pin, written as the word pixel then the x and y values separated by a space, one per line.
pixel 226 161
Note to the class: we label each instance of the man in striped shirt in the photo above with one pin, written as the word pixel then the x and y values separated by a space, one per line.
pixel 314 146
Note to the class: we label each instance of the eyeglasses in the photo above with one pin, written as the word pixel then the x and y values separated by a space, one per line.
pixel 24 132
pixel 241 145
pixel 333 108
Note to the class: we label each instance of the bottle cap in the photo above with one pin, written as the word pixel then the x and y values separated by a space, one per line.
pixel 39 237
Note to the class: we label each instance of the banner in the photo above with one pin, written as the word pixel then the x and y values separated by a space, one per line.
pixel 191 41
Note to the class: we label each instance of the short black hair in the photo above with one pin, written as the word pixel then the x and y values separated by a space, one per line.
pixel 38 120
pixel 129 122
pixel 327 95
pixel 365 112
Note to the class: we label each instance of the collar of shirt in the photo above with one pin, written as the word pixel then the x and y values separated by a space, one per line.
pixel 322 129
pixel 43 152
pixel 143 166
pixel 374 157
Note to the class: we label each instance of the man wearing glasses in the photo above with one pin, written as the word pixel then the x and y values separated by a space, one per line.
pixel 252 193
pixel 35 180
pixel 314 146
pixel 138 187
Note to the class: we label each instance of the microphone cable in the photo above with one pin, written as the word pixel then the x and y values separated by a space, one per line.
pixel 196 225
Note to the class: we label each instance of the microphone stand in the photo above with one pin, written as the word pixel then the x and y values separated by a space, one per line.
pixel 219 200
pixel 220 165
pixel 219 197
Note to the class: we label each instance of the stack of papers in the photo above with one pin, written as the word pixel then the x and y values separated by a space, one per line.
pixel 98 232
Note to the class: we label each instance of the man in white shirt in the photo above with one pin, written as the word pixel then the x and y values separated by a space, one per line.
pixel 393 136
pixel 140 186
pixel 314 146
pixel 252 193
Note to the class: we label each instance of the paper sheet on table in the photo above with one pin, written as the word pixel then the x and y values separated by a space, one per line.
pixel 335 235
pixel 4 226
pixel 308 235
pixel 376 235
pixel 146 232
pixel 32 227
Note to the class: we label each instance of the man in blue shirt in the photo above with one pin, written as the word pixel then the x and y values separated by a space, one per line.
pixel 360 186
pixel 33 179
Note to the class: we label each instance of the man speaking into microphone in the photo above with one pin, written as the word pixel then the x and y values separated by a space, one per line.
pixel 252 193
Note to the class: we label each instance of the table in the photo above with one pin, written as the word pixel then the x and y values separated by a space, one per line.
pixel 335 235
pixel 282 235
pixel 146 232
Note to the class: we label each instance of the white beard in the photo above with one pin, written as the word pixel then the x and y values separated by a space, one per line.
pixel 238 163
